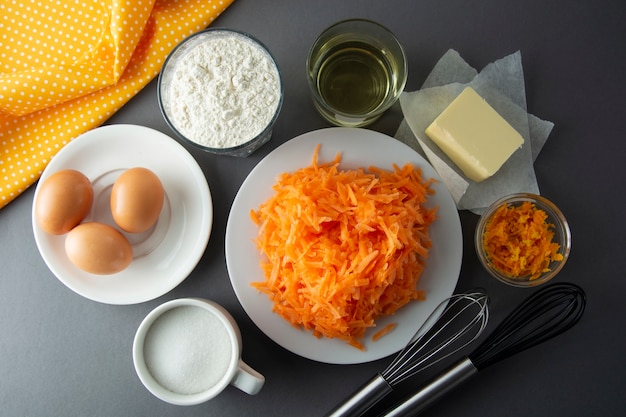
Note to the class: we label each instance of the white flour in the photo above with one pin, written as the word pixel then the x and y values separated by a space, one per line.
pixel 224 91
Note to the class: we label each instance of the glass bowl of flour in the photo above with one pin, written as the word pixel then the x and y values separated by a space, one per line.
pixel 221 91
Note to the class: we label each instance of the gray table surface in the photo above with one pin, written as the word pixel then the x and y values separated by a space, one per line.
pixel 64 355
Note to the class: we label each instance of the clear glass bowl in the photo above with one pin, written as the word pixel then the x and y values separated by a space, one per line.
pixel 167 103
pixel 562 236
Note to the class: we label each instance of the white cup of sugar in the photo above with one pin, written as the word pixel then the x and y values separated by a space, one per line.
pixel 187 351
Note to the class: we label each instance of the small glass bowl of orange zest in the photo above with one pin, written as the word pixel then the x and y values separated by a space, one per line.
pixel 523 240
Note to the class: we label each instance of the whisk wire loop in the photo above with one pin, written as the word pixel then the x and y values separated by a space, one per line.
pixel 542 316
pixel 545 314
pixel 456 322
pixel 460 319
pixel 416 346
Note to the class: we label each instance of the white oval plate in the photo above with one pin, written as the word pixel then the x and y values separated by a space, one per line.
pixel 359 148
pixel 164 255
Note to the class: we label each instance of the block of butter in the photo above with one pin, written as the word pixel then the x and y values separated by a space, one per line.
pixel 474 136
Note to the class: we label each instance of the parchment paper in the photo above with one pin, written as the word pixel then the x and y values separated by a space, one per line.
pixel 501 84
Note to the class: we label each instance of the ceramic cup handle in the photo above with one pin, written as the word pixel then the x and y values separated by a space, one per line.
pixel 247 379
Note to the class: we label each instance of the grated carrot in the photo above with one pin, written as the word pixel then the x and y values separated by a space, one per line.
pixel 384 331
pixel 518 241
pixel 343 247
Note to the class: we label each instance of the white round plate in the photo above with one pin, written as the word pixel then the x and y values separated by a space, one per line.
pixel 165 254
pixel 359 148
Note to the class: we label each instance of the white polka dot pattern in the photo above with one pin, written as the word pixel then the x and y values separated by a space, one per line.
pixel 67 65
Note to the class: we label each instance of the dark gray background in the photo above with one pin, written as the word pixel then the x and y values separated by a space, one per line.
pixel 63 355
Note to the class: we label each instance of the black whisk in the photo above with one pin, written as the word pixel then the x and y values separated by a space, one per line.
pixel 456 322
pixel 542 316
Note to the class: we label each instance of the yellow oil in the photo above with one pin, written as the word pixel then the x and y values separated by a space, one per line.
pixel 355 78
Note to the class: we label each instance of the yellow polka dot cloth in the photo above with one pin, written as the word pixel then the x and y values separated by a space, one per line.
pixel 67 65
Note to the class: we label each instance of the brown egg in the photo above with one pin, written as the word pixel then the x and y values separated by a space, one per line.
pixel 98 248
pixel 137 199
pixel 63 201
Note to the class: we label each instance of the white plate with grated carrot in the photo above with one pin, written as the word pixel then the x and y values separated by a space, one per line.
pixel 340 243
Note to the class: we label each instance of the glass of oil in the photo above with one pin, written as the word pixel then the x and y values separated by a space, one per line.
pixel 356 70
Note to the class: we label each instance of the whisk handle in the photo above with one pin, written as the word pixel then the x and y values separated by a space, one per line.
pixel 362 399
pixel 442 384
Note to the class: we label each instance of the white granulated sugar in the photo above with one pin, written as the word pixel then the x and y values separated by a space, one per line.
pixel 224 91
pixel 187 350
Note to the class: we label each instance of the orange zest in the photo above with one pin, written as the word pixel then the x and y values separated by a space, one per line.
pixel 343 247
pixel 518 241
